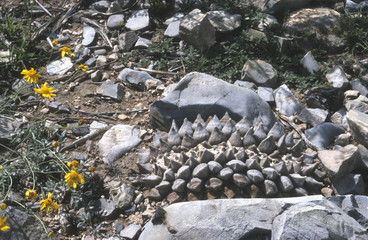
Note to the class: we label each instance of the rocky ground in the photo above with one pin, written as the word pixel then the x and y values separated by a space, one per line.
pixel 162 124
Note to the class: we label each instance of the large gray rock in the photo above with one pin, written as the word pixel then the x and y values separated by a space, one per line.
pixel 324 22
pixel 199 93
pixel 349 184
pixel 309 63
pixel 115 21
pixel 357 85
pixel 118 140
pixel 122 196
pixel 336 76
pixel 283 218
pixel 23 226
pixel 127 41
pixel 313 116
pixel 259 72
pixel 139 20
pixel 223 21
pixel 358 124
pixel 323 134
pixel 196 29
pixel 286 102
pixel 340 162
pixel 173 29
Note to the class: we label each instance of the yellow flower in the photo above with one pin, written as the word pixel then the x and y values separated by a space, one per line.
pixel 83 67
pixel 67 51
pixel 30 75
pixel 3 227
pixel 73 178
pixel 31 194
pixel 54 144
pixel 45 91
pixel 54 42
pixel 51 234
pixel 1 168
pixel 92 169
pixel 81 121
pixel 3 206
pixel 47 203
pixel 73 163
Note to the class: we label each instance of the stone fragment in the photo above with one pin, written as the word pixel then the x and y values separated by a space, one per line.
pixel 188 141
pixel 139 20
pixel 196 29
pixel 340 162
pixel 266 94
pixel 253 164
pixel 276 131
pixel 59 67
pixel 309 63
pixel 173 29
pixel 127 41
pixel 136 79
pixel 115 21
pixel 214 122
pixel 286 102
pixel 173 137
pixel 223 21
pixel 259 133
pixel 228 128
pixel 280 167
pixel 357 85
pixel 173 198
pixel 259 72
pixel 313 116
pixel 323 134
pixel 192 163
pixel 243 126
pixel 336 76
pixel 358 124
pixel 89 35
pixel 111 89
pixel 130 232
pixel 313 185
pixel 118 141
pixel 122 196
pixel 169 175
pixel 142 43
pixel 349 184
pixel 96 76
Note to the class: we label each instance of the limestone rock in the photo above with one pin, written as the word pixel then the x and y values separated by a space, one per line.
pixel 358 123
pixel 115 21
pixel 313 116
pixel 285 101
pixel 89 35
pixel 340 162
pixel 196 29
pixel 336 76
pixel 139 20
pixel 323 134
pixel 209 96
pixel 117 141
pixel 259 72
pixel 59 67
pixel 223 21
pixel 324 22
pixel 111 89
pixel 122 196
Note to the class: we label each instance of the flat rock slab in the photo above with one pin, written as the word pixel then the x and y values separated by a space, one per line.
pixel 323 134
pixel 118 141
pixel 315 217
pixel 199 93
pixel 358 123
pixel 340 162
pixel 59 67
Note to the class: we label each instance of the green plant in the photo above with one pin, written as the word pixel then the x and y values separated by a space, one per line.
pixel 355 33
